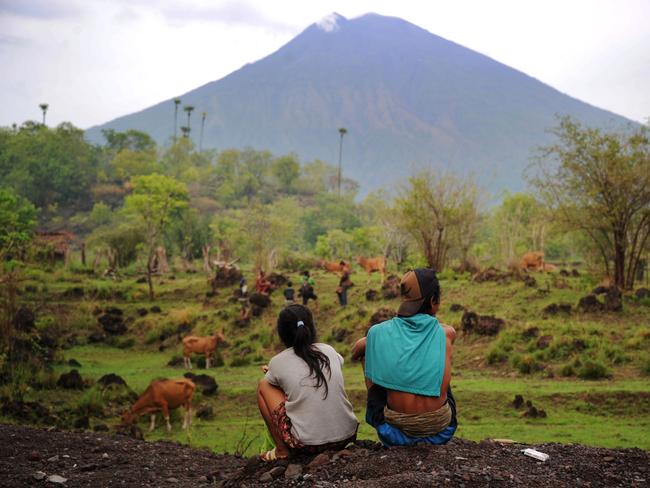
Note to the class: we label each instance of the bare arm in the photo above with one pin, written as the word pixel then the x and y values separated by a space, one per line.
pixel 450 332
pixel 359 349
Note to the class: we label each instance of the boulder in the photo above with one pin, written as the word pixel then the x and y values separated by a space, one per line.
pixel 206 383
pixel 205 412
pixel 590 303
pixel 155 309
pixel 111 379
pixel 71 380
pixel 260 300
pixel 471 322
pixel 372 295
pixel 613 299
pixel 112 323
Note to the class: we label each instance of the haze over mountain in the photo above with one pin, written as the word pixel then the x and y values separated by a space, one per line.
pixel 408 98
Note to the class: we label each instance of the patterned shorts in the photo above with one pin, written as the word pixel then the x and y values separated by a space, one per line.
pixel 282 423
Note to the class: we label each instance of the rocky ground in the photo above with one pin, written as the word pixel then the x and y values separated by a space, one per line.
pixel 36 457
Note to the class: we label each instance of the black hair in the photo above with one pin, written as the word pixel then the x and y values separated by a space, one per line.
pixel 302 338
pixel 289 284
pixel 433 294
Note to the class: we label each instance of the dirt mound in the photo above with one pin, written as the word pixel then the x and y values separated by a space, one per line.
pixel 471 322
pixel 93 460
pixel 206 383
pixel 71 380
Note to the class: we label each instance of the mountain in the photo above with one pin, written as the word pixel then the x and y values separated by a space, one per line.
pixel 408 98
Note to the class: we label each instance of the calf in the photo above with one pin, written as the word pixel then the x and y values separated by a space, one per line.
pixel 373 264
pixel 333 266
pixel 163 395
pixel 201 345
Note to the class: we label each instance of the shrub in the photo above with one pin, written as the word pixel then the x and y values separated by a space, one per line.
pixel 91 403
pixel 525 364
pixel 593 370
pixel 245 361
pixel 496 355
pixel 567 370
pixel 645 366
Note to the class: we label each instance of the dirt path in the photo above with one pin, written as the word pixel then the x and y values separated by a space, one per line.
pixel 99 460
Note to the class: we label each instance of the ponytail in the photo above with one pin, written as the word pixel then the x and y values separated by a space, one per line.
pixel 296 329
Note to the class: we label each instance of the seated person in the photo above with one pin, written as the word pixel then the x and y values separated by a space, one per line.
pixel 302 397
pixel 408 368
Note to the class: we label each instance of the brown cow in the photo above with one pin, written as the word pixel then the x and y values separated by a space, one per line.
pixel 163 395
pixel 334 266
pixel 373 264
pixel 532 261
pixel 201 345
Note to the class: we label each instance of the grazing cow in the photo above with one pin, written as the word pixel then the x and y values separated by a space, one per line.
pixel 201 345
pixel 532 261
pixel 334 267
pixel 163 395
pixel 373 264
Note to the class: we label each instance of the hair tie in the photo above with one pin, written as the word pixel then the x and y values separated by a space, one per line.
pixel 300 323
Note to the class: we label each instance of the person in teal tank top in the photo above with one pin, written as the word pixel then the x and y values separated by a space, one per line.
pixel 407 365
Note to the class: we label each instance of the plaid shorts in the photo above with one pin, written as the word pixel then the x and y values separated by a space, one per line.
pixel 282 423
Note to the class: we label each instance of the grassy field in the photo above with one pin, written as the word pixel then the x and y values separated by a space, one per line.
pixel 613 411
pixel 620 408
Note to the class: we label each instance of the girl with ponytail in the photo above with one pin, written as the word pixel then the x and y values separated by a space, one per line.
pixel 302 395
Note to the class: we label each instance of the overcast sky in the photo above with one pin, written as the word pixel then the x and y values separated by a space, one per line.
pixel 94 60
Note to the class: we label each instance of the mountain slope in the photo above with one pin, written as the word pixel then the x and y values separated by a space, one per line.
pixel 408 98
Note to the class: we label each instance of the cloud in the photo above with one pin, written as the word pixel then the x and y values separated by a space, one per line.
pixel 231 13
pixel 329 23
pixel 40 9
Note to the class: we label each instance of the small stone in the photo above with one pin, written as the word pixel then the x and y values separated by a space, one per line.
pixel 105 456
pixel 344 453
pixel 34 456
pixel 55 478
pixel 277 471
pixel 266 477
pixel 608 459
pixel 39 475
pixel 88 467
pixel 53 459
pixel 172 480
pixel 293 471
pixel 319 460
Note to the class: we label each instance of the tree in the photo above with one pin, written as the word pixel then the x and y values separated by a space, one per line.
pixel 520 225
pixel 188 109
pixel 599 182
pixel 154 201
pixel 203 116
pixel 177 102
pixel 432 210
pixel 286 170
pixel 342 132
pixel 44 107
pixel 17 222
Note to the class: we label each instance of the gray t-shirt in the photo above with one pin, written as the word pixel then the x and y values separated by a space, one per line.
pixel 314 420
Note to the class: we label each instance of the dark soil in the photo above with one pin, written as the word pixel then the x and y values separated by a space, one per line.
pixel 87 459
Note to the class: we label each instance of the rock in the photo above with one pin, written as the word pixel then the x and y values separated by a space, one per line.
pixel 518 402
pixel 82 423
pixel 112 323
pixel 530 281
pixel 142 312
pixel 608 459
pixel 575 273
pixel 74 363
pixel 471 322
pixel 565 273
pixel 293 471
pixel 557 308
pixel 172 480
pixel 530 333
pixel 266 477
pixel 39 475
pixel 24 320
pixel 260 300
pixel 129 431
pixel 544 341
pixel 277 471
pixel 155 309
pixel 141 280
pixel 319 460
pixel 590 303
pixel 380 316
pixel 456 307
pixel 599 290
pixel 71 381
pixel 372 295
pixel 53 459
pixel 100 428
pixel 339 335
pixel 175 361
pixel 111 379
pixel 88 467
pixel 207 383
pixel 277 280
pixel 96 337
pixel 205 412
pixel 613 300
pixel 34 456
pixel 642 293
pixel 391 287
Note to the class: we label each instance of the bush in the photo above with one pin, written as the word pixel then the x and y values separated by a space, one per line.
pixel 496 355
pixel 245 361
pixel 645 366
pixel 525 364
pixel 593 370
pixel 567 370
pixel 91 403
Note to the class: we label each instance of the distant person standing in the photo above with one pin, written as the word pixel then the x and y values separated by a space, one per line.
pixel 289 294
pixel 307 290
pixel 344 284
pixel 243 287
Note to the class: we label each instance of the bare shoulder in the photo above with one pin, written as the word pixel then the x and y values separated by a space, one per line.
pixel 450 332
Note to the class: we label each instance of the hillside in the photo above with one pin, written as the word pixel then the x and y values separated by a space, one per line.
pixel 409 99
pixel 85 459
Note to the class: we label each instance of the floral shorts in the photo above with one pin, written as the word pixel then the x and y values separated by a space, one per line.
pixel 282 423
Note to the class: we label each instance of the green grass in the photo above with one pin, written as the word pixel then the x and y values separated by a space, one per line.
pixel 574 407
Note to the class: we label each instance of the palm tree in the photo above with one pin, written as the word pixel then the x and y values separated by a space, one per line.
pixel 342 131
pixel 44 107
pixel 203 116
pixel 188 109
pixel 185 130
pixel 177 102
